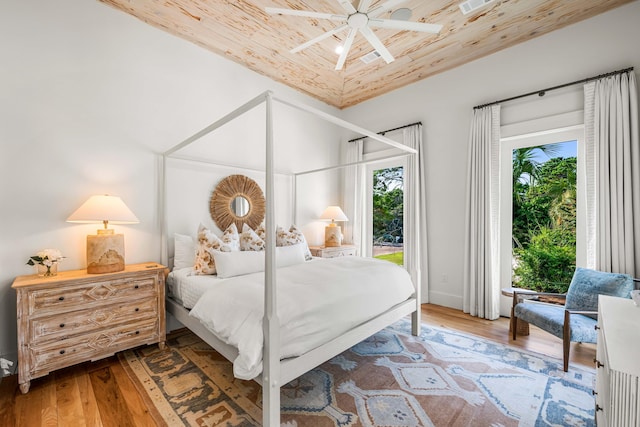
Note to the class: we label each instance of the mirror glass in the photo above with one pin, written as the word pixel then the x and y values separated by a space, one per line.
pixel 240 206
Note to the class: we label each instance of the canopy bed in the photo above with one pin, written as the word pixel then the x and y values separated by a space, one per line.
pixel 274 362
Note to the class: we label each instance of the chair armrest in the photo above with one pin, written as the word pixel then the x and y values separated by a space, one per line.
pixel 541 293
pixel 595 313
pixel 534 294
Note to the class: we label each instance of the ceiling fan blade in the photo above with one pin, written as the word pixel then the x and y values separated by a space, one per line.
pixel 384 7
pixel 319 38
pixel 346 47
pixel 347 6
pixel 305 13
pixel 377 44
pixel 363 6
pixel 405 25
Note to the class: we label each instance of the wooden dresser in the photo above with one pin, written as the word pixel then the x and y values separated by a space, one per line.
pixel 617 363
pixel 333 252
pixel 75 317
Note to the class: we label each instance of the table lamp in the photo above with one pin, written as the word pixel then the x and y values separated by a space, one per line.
pixel 332 232
pixel 105 251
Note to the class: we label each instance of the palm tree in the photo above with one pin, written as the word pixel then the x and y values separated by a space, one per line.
pixel 526 172
pixel 526 167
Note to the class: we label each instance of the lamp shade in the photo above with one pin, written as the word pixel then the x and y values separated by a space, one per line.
pixel 104 208
pixel 334 213
pixel 105 251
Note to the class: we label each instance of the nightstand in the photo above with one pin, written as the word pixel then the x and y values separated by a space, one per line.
pixel 75 317
pixel 333 252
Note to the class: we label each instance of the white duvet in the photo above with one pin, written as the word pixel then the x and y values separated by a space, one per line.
pixel 317 301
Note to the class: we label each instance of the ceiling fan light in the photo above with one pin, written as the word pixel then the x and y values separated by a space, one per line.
pixel 402 14
pixel 339 49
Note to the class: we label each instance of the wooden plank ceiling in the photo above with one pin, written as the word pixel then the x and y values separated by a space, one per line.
pixel 242 31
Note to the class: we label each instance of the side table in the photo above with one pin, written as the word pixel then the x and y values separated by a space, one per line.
pixel 523 326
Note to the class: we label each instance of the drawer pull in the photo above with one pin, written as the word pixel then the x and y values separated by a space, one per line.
pixel 598 408
pixel 62 325
pixel 137 332
pixel 596 327
pixel 62 351
pixel 61 299
pixel 136 286
pixel 598 364
pixel 137 309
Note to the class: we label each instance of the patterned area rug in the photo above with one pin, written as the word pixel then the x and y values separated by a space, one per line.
pixel 442 378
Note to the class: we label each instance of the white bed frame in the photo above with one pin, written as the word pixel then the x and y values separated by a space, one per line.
pixel 276 372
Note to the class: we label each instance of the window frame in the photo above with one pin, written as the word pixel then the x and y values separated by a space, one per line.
pixel 573 132
pixel 370 168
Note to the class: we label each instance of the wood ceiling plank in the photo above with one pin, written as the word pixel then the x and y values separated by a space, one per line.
pixel 242 31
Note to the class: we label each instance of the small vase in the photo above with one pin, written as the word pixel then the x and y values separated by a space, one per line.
pixel 48 271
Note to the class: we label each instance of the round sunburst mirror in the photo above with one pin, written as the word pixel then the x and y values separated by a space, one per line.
pixel 237 199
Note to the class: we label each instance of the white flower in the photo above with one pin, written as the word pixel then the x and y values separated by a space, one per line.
pixel 51 255
pixel 46 257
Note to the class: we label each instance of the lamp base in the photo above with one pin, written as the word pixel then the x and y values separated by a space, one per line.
pixel 105 253
pixel 332 236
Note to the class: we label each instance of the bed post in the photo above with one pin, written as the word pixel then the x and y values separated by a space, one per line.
pixel 162 205
pixel 271 324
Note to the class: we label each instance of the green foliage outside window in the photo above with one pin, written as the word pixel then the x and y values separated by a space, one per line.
pixel 544 220
pixel 387 205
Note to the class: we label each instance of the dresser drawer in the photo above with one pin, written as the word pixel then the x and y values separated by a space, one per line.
pixel 93 346
pixel 68 298
pixel 67 324
pixel 339 253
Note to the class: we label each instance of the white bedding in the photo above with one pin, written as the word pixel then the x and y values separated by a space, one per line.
pixel 186 287
pixel 317 301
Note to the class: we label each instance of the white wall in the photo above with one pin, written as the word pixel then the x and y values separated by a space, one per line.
pixel 444 105
pixel 88 97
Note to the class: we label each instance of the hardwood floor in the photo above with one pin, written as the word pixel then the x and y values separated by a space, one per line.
pixel 101 394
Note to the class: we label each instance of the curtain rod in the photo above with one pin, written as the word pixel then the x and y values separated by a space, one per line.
pixel 386 131
pixel 543 91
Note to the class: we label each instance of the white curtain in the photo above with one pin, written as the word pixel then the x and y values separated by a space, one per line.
pixel 481 288
pixel 415 242
pixel 354 195
pixel 613 174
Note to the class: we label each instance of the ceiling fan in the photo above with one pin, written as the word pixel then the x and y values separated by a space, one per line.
pixel 358 19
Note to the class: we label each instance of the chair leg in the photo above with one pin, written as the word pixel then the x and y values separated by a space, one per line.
pixel 514 319
pixel 566 340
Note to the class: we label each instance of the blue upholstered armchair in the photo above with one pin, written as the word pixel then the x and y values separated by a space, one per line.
pixel 574 321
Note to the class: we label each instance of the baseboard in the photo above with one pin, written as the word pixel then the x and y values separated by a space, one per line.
pixel 445 299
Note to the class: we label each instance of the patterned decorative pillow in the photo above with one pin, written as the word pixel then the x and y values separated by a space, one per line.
pixel 231 238
pixel 208 242
pixel 250 240
pixel 261 231
pixel 292 237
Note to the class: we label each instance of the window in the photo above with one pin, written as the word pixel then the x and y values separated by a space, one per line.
pixel 562 138
pixel 385 210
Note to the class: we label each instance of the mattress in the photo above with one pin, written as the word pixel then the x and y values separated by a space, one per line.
pixel 317 301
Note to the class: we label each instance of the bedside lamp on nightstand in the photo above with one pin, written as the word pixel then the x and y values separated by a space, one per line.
pixel 332 232
pixel 105 251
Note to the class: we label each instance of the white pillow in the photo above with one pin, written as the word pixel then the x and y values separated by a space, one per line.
pixel 290 255
pixel 184 251
pixel 230 264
